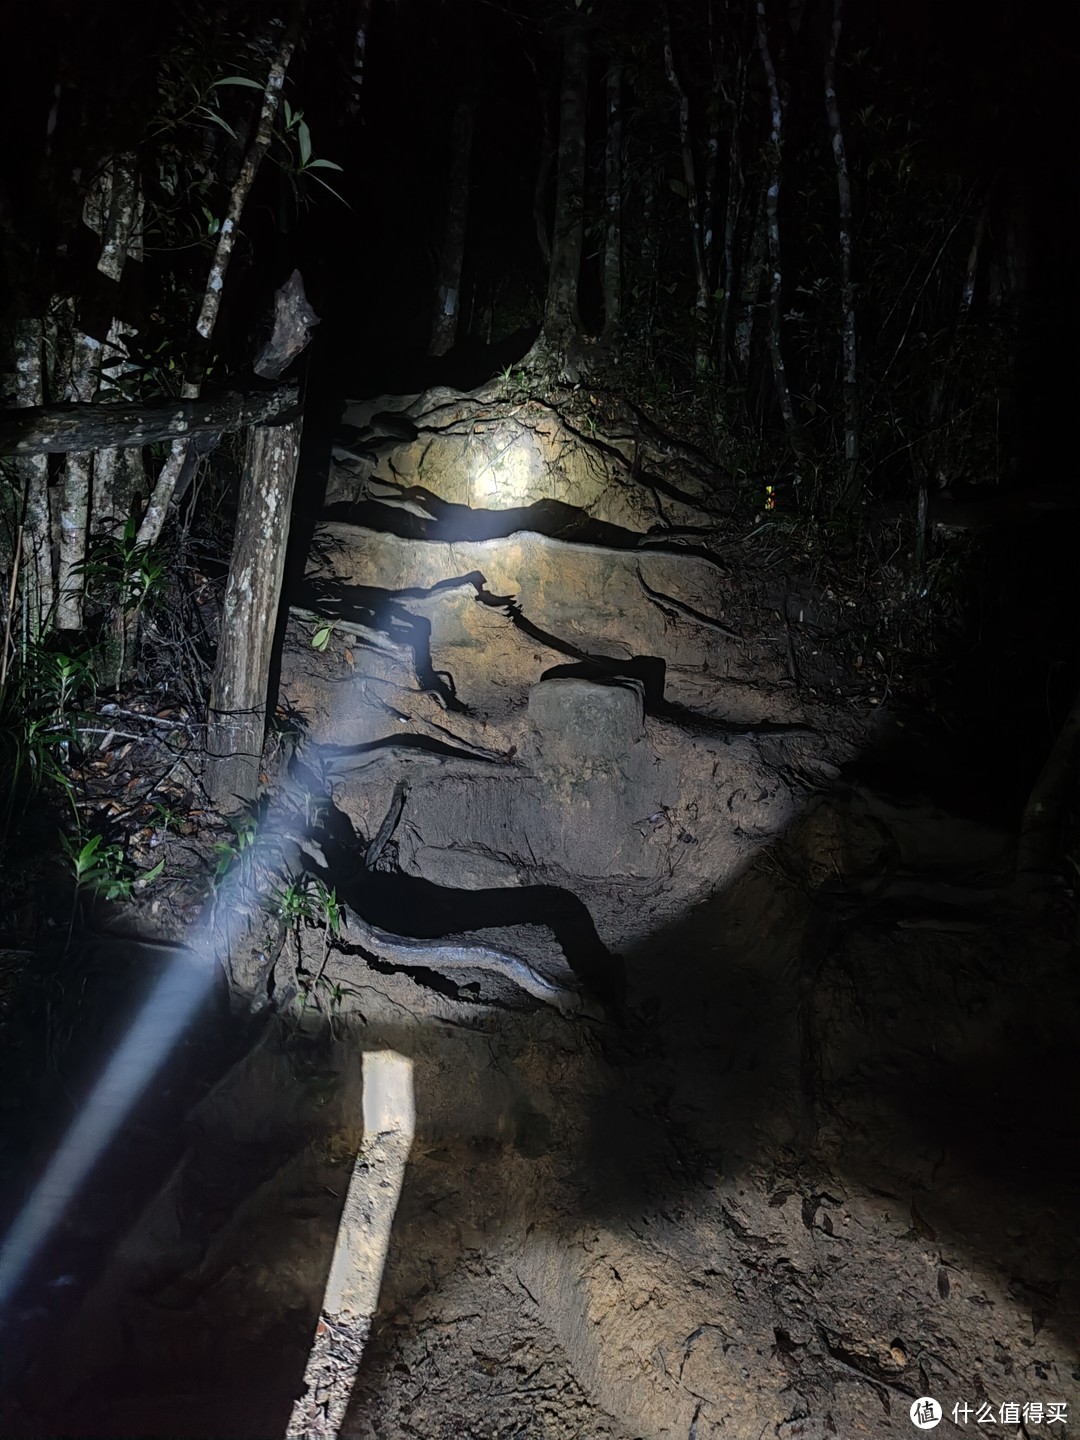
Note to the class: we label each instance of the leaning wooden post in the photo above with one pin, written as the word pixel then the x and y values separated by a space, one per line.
pixel 238 696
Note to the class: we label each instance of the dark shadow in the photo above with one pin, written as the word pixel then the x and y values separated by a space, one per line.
pixel 413 907
pixel 78 1015
pixel 184 1366
pixel 648 670
pixel 380 610
pixel 554 519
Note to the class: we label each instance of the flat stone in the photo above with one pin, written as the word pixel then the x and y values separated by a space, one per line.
pixel 589 719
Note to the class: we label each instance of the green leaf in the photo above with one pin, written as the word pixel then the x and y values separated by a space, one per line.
pixel 304 136
pixel 679 187
pixel 323 165
pixel 330 188
pixel 216 118
pixel 152 873
pixel 238 80
pixel 321 638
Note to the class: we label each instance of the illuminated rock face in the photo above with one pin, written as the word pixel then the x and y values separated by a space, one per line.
pixel 492 451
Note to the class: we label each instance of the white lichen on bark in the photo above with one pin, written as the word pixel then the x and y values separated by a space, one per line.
pixel 81 387
pixel 32 472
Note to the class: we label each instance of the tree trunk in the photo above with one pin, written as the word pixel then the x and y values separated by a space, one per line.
pixel 649 261
pixel 772 228
pixel 728 278
pixel 156 510
pixel 702 292
pixel 613 182
pixel 849 487
pixel 452 250
pixel 561 318
pixel 84 372
pixel 238 697
pixel 543 172
pixel 121 217
pixel 114 210
pixel 752 270
pixel 359 57
pixel 116 477
pixel 33 475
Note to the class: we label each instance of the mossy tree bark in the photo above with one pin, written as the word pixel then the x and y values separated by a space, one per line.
pixel 32 474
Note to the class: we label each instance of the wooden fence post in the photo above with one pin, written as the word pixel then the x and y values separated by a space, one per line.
pixel 238 696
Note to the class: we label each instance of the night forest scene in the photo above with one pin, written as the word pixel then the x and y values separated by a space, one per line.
pixel 539 720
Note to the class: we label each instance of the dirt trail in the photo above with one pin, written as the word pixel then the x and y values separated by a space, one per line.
pixel 797 1158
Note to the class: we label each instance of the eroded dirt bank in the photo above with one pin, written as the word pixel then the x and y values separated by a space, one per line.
pixel 788 1144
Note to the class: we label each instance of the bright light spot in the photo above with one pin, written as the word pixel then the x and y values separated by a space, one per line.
pixel 505 469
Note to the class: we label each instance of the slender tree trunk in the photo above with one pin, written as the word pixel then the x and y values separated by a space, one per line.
pixel 81 387
pixel 118 473
pixel 702 291
pixel 971 273
pixel 772 227
pixel 122 216
pixel 543 174
pixel 359 56
pixel 850 381
pixel 754 265
pixel 452 250
pixel 561 318
pixel 650 260
pixel 112 487
pixel 33 474
pixel 934 470
pixel 728 278
pixel 238 697
pixel 613 183
pixel 157 508
pixel 712 157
